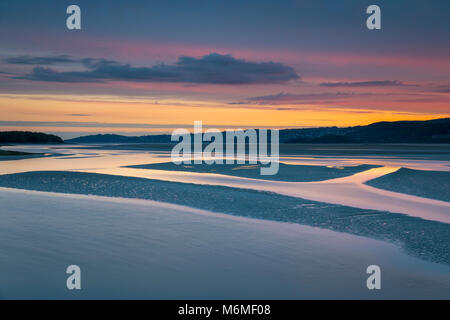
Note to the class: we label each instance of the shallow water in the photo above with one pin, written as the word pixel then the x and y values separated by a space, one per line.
pixel 349 191
pixel 145 249
pixel 140 249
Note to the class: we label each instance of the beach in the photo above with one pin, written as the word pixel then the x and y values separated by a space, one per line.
pixel 140 233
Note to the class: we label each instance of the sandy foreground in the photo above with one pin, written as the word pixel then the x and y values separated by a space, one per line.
pixel 146 249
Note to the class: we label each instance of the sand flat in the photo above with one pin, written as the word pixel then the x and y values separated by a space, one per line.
pixel 145 249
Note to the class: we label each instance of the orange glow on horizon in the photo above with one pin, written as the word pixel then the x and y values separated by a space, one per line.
pixel 135 114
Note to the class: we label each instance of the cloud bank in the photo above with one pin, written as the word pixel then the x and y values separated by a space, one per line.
pixel 210 69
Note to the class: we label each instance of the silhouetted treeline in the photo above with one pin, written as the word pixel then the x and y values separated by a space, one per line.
pixel 430 131
pixel 28 137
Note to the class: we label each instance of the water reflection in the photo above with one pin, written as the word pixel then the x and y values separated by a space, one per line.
pixel 350 191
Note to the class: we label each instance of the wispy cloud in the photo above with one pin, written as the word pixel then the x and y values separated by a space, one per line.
pixel 213 68
pixel 33 60
pixel 382 83
pixel 105 125
pixel 289 98
pixel 442 89
pixel 85 124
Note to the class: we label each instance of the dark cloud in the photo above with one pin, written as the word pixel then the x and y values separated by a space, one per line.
pixel 30 60
pixel 209 69
pixel 48 74
pixel 383 83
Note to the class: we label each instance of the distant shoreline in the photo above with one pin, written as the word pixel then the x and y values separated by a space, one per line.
pixel 428 131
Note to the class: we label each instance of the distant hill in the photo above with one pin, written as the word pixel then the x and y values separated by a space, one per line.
pixel 28 137
pixel 115 138
pixel 430 131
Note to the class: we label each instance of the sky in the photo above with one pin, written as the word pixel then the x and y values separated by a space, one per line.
pixel 143 67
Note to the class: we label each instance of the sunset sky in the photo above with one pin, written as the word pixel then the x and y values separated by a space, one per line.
pixel 141 67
